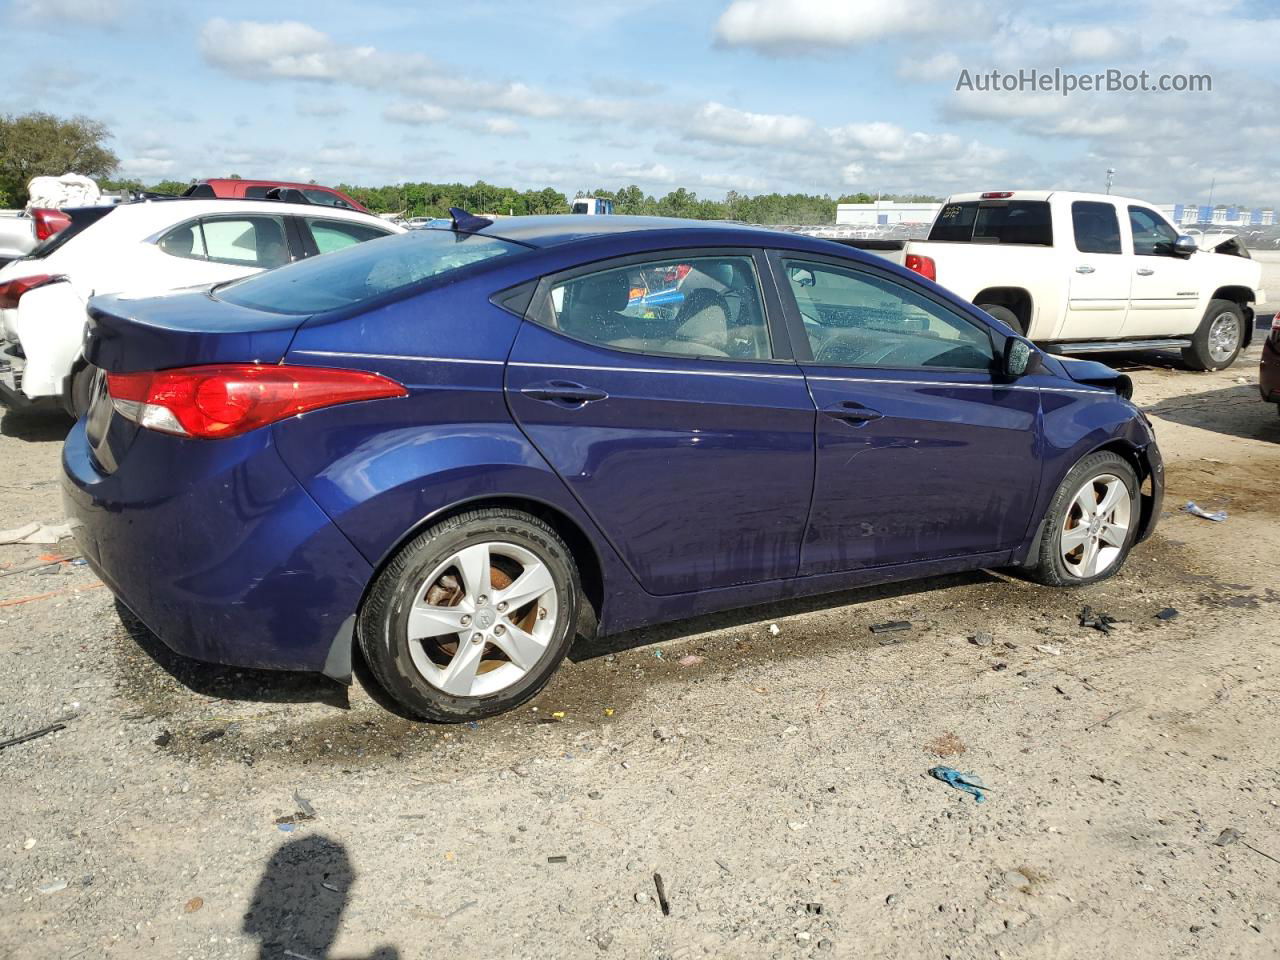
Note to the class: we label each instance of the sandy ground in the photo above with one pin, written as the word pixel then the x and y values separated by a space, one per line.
pixel 779 787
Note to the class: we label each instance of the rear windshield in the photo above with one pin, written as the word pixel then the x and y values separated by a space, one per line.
pixel 81 219
pixel 994 221
pixel 363 271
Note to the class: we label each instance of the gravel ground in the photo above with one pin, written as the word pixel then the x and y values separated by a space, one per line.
pixel 778 786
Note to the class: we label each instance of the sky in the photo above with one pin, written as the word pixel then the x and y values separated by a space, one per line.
pixel 834 97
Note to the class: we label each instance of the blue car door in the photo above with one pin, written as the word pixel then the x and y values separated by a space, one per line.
pixel 922 451
pixel 656 389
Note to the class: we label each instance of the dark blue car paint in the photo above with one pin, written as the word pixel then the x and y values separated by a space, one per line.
pixel 258 550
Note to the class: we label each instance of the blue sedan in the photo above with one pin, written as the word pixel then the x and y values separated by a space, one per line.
pixel 458 448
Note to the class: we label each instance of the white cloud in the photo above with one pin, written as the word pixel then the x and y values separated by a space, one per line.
pixel 939 66
pixel 720 124
pixel 794 26
pixel 52 13
pixel 414 114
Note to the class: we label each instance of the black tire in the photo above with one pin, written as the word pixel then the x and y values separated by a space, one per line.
pixel 382 626
pixel 1050 567
pixel 1005 315
pixel 1201 354
pixel 78 391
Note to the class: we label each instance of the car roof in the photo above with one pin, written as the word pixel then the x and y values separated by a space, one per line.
pixel 1046 194
pixel 159 213
pixel 273 183
pixel 549 231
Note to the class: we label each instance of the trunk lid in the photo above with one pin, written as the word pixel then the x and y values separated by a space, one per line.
pixel 180 329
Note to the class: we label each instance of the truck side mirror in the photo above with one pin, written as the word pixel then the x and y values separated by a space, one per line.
pixel 1184 246
pixel 1020 360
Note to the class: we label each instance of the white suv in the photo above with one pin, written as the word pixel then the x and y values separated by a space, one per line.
pixel 143 249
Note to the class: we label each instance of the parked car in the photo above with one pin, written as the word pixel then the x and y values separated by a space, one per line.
pixel 1092 272
pixel 144 248
pixel 453 446
pixel 22 232
pixel 232 189
pixel 1269 368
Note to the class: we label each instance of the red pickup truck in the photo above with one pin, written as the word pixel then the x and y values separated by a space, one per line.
pixel 257 190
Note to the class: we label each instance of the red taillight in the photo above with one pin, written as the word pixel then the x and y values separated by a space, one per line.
pixel 49 222
pixel 11 292
pixel 998 195
pixel 231 399
pixel 923 266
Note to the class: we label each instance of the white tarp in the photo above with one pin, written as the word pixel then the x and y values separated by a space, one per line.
pixel 68 190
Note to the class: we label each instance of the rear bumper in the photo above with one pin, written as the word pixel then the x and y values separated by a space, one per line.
pixel 1269 372
pixel 217 549
pixel 11 367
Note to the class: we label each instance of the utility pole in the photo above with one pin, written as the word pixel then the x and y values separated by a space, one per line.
pixel 1111 175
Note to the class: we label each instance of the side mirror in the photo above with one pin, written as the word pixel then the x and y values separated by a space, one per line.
pixel 1184 246
pixel 802 277
pixel 1020 360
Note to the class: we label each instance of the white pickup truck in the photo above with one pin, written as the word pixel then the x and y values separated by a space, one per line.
pixel 22 231
pixel 1092 273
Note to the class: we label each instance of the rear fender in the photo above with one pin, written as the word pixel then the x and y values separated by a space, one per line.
pixel 50 326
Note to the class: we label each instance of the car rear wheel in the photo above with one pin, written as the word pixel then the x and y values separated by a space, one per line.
pixel 1091 524
pixel 472 617
pixel 78 391
pixel 1217 342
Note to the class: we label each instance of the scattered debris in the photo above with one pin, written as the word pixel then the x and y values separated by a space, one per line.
pixel 982 639
pixel 1193 508
pixel 35 734
pixel 1227 837
pixel 893 626
pixel 194 904
pixel 558 858
pixel 1049 648
pixel 54 887
pixel 43 564
pixel 643 897
pixel 1102 622
pixel 1168 613
pixel 774 629
pixel 164 739
pixel 947 745
pixel 304 812
pixel 31 842
pixel 813 909
pixel 723 866
pixel 691 660
pixel 999 665
pixel 595 795
pixel 796 825
pixel 968 782
pixel 1106 721
pixel 662 895
pixel 37 533
pixel 213 735
pixel 558 715
pixel 304 805
pixel 608 711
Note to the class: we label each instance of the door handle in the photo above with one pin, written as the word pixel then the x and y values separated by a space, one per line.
pixel 564 393
pixel 851 412
pixel 1084 268
pixel 1145 271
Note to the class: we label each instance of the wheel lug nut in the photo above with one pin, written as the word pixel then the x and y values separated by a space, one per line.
pixel 466 620
pixel 542 614
pixel 499 630
pixel 502 606
pixel 477 637
pixel 482 599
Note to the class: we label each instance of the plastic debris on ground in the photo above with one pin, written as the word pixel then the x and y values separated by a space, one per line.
pixel 1168 613
pixel 662 895
pixel 1102 622
pixel 691 660
pixel 970 783
pixel 774 629
pixel 893 626
pixel 37 533
pixel 1193 508
pixel 1227 837
pixel 36 734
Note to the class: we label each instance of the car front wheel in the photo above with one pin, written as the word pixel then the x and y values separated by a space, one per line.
pixel 472 617
pixel 1091 524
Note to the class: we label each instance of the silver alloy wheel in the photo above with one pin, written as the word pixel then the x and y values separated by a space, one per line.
pixel 1224 336
pixel 1096 525
pixel 483 619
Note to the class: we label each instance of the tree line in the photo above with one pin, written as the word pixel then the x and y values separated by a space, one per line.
pixel 40 144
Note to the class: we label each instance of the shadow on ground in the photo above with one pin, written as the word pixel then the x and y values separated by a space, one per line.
pixel 1236 411
pixel 37 425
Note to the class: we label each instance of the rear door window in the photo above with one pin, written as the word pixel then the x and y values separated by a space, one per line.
pixel 1096 226
pixel 249 241
pixel 331 235
pixel 326 198
pixel 185 240
pixel 994 221
pixel 675 306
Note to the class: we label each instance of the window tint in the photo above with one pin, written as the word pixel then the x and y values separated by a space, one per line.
pixel 256 193
pixel 201 190
pixel 995 221
pixel 701 307
pixel 252 241
pixel 1152 237
pixel 326 198
pixel 364 271
pixel 1096 226
pixel 184 241
pixel 861 320
pixel 331 235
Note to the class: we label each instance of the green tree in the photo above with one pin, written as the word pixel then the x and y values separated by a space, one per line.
pixel 42 145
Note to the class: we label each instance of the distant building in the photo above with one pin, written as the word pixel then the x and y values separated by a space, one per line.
pixel 1221 215
pixel 884 213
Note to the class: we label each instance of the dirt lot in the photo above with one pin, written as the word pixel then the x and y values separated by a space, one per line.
pixel 779 786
